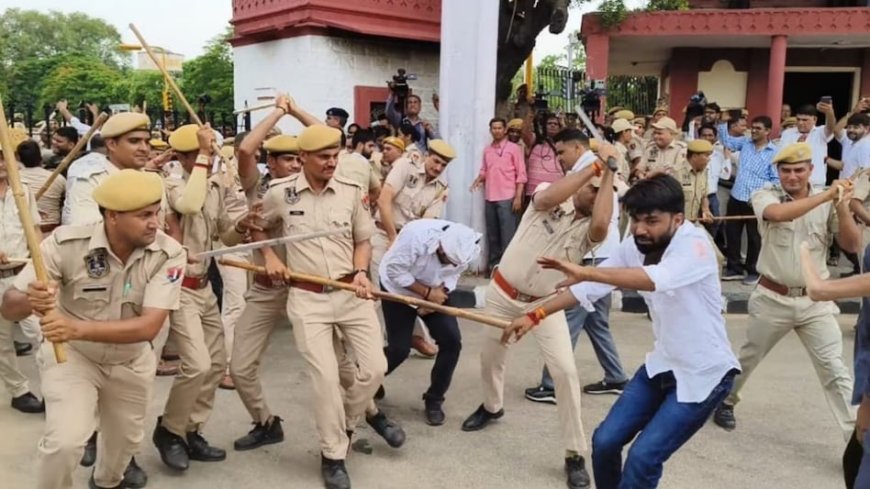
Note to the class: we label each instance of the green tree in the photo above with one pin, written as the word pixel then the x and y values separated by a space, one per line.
pixel 32 38
pixel 81 79
pixel 136 87
pixel 211 74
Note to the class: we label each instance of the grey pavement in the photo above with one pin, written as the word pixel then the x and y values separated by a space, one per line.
pixel 786 437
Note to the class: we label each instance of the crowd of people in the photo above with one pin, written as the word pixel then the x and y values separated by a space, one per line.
pixel 131 233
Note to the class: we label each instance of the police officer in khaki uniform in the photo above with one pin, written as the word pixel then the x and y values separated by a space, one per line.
pixel 623 141
pixel 692 175
pixel 266 304
pixel 664 152
pixel 126 136
pixel 393 151
pixel 634 146
pixel 568 218
pixel 860 204
pixel 315 200
pixel 206 208
pixel 410 192
pixel 789 215
pixel 14 246
pixel 113 285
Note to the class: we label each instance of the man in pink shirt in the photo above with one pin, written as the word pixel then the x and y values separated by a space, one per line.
pixel 503 176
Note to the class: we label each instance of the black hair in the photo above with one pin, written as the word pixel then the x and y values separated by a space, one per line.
pixel 763 120
pixel 357 126
pixel 97 142
pixel 416 97
pixel 710 127
pixel 566 135
pixel 807 109
pixel 30 154
pixel 497 119
pixel 362 136
pixel 658 193
pixel 713 106
pixel 408 129
pixel 858 120
pixel 381 131
pixel 69 133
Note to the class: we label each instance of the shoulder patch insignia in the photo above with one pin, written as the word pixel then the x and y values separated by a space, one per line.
pixel 365 202
pixel 97 263
pixel 412 181
pixel 174 274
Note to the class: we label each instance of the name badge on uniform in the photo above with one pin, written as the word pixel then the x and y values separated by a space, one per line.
pixel 412 181
pixel 97 263
pixel 290 195
pixel 653 154
pixel 297 213
pixel 548 227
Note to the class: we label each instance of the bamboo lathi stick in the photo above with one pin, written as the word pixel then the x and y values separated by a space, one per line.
pixel 24 214
pixel 403 299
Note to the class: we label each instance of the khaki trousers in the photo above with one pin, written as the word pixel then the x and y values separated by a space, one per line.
pixel 554 342
pixel 315 317
pixel 15 381
pixel 771 317
pixel 73 392
pixel 235 287
pixel 197 332
pixel 264 308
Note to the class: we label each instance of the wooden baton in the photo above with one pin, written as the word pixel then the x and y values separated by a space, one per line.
pixel 403 299
pixel 254 108
pixel 24 214
pixel 72 154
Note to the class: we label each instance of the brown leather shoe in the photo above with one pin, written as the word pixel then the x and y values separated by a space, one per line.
pixel 227 383
pixel 166 369
pixel 423 347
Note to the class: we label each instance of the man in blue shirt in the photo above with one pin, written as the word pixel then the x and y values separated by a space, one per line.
pixel 755 169
pixel 413 104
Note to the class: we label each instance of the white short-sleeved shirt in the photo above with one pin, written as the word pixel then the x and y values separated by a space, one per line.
pixel 719 167
pixel 686 310
pixel 856 155
pixel 817 139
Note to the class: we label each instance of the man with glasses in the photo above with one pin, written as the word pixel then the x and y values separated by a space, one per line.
pixel 754 171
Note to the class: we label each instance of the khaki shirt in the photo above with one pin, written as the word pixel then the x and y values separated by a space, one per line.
pixel 554 233
pixel 14 243
pixel 267 182
pixel 779 259
pixel 861 191
pixel 667 159
pixel 50 204
pixel 415 154
pixel 635 148
pixel 96 286
pixel 624 159
pixel 415 198
pixel 356 168
pixel 293 205
pixel 694 188
pixel 223 209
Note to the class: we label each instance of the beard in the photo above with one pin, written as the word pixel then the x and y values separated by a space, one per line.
pixel 650 246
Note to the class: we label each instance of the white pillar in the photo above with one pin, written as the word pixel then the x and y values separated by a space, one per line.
pixel 469 35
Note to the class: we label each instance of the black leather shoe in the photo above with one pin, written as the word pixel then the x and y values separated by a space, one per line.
pixel 724 417
pixel 90 455
pixel 172 448
pixel 134 476
pixel 28 403
pixel 380 393
pixel 334 473
pixel 575 469
pixel 262 434
pixel 434 413
pixel 391 432
pixel 22 349
pixel 199 449
pixel 480 419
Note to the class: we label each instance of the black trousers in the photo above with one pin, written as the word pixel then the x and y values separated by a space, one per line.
pixel 399 320
pixel 734 236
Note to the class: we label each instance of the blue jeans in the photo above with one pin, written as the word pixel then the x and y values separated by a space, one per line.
pixel 648 406
pixel 501 224
pixel 596 325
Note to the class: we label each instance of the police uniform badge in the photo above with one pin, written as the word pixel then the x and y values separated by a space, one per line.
pixel 263 187
pixel 412 181
pixel 97 263
pixel 291 196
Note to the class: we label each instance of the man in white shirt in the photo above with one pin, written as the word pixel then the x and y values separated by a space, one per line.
pixel 425 262
pixel 856 148
pixel 691 368
pixel 817 137
pixel 719 167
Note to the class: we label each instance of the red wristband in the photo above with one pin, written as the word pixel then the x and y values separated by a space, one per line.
pixel 534 318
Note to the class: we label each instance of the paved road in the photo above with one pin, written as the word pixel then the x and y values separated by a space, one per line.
pixel 786 436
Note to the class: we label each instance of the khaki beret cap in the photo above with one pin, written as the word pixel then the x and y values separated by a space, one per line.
pixel 700 146
pixel 129 190
pixel 442 149
pixel 794 153
pixel 158 144
pixel 184 138
pixel 515 124
pixel 120 124
pixel 620 125
pixel 318 137
pixel 666 123
pixel 624 114
pixel 397 142
pixel 282 144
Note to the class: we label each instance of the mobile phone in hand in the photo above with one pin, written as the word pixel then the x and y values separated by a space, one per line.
pixel 827 99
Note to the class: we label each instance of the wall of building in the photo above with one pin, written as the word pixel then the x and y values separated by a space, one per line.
pixel 323 71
